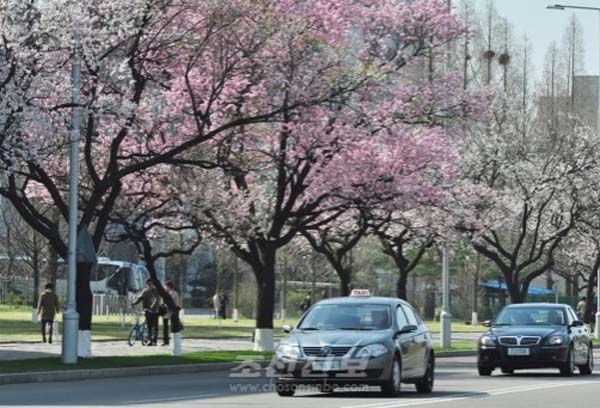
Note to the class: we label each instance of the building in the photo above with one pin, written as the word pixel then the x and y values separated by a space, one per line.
pixel 585 99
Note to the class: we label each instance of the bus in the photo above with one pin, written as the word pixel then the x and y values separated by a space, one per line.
pixel 118 277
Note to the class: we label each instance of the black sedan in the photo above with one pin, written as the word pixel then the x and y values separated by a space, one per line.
pixel 536 335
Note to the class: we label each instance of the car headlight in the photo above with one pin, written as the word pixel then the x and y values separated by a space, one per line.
pixel 372 350
pixel 287 351
pixel 487 341
pixel 556 340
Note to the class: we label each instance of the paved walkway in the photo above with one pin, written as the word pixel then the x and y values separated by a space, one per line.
pixel 21 351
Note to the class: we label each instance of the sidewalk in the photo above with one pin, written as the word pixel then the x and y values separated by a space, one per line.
pixel 29 350
pixel 22 351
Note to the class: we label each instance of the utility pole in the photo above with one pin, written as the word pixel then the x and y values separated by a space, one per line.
pixel 70 315
pixel 446 316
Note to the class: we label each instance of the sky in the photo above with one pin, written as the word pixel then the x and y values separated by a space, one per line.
pixel 543 26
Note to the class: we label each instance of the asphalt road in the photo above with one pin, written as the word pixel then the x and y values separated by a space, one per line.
pixel 457 385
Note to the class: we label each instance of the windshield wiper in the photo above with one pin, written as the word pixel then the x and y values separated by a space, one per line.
pixel 502 324
pixel 308 328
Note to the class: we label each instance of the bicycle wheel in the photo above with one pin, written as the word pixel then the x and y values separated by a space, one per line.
pixel 145 335
pixel 133 335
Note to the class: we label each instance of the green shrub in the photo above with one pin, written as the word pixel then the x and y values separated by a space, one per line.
pixel 14 299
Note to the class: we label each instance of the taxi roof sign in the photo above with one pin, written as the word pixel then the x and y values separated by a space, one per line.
pixel 360 292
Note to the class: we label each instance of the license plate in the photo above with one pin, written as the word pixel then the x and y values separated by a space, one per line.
pixel 326 365
pixel 518 351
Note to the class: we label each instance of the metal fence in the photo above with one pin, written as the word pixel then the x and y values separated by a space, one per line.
pixel 17 291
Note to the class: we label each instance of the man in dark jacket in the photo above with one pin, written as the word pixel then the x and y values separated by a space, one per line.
pixel 150 300
pixel 306 302
pixel 47 310
pixel 167 312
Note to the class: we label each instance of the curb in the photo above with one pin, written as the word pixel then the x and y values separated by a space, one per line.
pixel 449 354
pixel 249 339
pixel 99 373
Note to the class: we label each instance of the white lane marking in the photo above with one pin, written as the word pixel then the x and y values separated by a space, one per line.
pixel 473 395
pixel 167 399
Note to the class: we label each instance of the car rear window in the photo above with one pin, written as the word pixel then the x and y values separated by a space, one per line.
pixel 347 317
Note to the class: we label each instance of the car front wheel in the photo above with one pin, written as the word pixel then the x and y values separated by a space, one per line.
pixel 568 368
pixel 285 390
pixel 391 388
pixel 588 367
pixel 484 371
pixel 425 384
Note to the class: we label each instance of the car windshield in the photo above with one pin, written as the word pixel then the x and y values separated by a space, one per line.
pixel 347 317
pixel 531 316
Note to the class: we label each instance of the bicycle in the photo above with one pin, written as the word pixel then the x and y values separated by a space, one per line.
pixel 138 331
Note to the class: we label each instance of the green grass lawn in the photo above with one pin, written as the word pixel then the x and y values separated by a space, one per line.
pixel 15 325
pixel 456 346
pixel 55 364
pixel 457 327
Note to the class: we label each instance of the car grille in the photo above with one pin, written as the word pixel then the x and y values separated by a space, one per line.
pixel 336 351
pixel 519 341
pixel 530 341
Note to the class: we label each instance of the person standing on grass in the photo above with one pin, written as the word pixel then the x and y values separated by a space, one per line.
pixel 47 310
pixel 150 302
pixel 581 309
pixel 223 301
pixel 216 302
pixel 167 315
pixel 306 302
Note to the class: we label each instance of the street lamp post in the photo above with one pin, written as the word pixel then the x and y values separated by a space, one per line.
pixel 597 326
pixel 70 315
pixel 596 9
pixel 445 315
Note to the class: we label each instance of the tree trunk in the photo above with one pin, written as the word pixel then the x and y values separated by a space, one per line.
pixel 517 293
pixel 401 284
pixel 83 296
pixel 52 265
pixel 345 283
pixel 264 270
pixel 588 315
pixel 575 286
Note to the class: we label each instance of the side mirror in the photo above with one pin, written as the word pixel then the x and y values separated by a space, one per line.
pixel 577 323
pixel 286 328
pixel 409 328
pixel 487 323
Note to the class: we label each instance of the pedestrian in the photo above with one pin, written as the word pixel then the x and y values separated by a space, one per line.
pixel 324 294
pixel 150 302
pixel 216 301
pixel 223 300
pixel 306 302
pixel 167 312
pixel 47 310
pixel 581 308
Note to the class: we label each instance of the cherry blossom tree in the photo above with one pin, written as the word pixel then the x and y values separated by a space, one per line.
pixel 335 240
pixel 160 78
pixel 538 192
pixel 372 142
